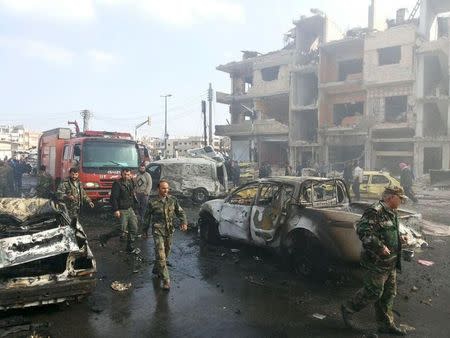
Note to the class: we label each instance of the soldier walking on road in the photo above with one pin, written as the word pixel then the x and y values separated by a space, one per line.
pixel 160 215
pixel 44 186
pixel 72 194
pixel 381 257
pixel 143 186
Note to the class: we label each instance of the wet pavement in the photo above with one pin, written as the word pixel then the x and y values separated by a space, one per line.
pixel 219 292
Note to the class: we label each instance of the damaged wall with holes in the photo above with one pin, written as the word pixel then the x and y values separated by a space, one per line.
pixel 380 93
pixel 389 55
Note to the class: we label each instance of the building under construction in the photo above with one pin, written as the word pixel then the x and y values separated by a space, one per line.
pixel 379 94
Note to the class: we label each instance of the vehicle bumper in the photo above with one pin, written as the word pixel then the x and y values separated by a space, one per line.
pixel 49 293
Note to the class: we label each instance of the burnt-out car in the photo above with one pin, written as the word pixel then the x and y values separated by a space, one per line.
pixel 44 255
pixel 309 219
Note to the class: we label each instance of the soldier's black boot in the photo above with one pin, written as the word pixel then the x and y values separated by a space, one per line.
pixel 393 329
pixel 347 316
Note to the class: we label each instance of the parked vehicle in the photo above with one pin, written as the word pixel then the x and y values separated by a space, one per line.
pixel 99 155
pixel 45 257
pixel 374 182
pixel 197 178
pixel 309 219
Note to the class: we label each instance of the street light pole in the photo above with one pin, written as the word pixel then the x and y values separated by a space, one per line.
pixel 166 136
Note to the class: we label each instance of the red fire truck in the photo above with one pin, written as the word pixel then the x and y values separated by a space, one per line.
pixel 99 155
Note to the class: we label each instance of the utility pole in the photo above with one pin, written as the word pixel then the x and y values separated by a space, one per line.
pixel 86 115
pixel 210 97
pixel 205 138
pixel 166 135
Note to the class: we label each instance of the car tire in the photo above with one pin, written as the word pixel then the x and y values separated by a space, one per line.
pixel 200 195
pixel 209 229
pixel 308 257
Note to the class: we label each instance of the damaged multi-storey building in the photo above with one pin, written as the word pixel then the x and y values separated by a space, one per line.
pixel 259 106
pixel 378 94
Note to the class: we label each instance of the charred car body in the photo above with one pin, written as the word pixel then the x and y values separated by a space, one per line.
pixel 197 178
pixel 310 219
pixel 44 256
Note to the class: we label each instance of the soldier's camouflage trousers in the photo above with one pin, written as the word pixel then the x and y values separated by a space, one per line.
pixel 128 222
pixel 162 251
pixel 379 288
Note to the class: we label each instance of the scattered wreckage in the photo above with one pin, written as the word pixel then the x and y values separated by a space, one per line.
pixel 310 219
pixel 197 178
pixel 44 256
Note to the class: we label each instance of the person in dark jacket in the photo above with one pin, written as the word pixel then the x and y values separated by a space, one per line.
pixel 406 181
pixel 123 201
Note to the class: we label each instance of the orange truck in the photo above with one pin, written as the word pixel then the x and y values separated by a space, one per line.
pixel 99 155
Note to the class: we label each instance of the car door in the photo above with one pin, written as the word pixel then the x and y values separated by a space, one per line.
pixel 269 211
pixel 235 213
pixel 364 186
pixel 377 184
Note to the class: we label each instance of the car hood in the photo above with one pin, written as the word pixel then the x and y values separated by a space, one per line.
pixel 20 209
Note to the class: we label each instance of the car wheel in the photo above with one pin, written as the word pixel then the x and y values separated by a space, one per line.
pixel 209 229
pixel 200 195
pixel 308 257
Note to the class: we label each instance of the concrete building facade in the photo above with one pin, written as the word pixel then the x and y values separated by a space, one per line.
pixel 379 94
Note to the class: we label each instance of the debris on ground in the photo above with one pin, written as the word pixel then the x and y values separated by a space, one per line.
pixel 407 327
pixel 425 262
pixel 16 325
pixel 250 279
pixel 257 258
pixel 426 302
pixel 119 286
pixel 235 250
pixel 319 316
pixel 414 289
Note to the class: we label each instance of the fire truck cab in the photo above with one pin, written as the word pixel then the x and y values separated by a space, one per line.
pixel 99 155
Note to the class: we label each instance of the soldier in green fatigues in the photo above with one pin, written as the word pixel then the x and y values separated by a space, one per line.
pixel 44 186
pixel 381 257
pixel 160 214
pixel 72 194
pixel 6 180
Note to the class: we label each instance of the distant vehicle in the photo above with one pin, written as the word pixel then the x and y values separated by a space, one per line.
pixel 45 257
pixel 207 151
pixel 197 178
pixel 374 182
pixel 310 220
pixel 99 155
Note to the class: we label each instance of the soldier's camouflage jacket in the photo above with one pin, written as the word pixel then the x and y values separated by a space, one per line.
pixel 161 213
pixel 44 185
pixel 378 227
pixel 68 187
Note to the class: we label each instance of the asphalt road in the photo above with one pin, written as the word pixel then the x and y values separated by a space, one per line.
pixel 217 292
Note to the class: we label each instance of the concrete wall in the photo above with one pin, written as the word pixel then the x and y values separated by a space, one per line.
pixel 404 36
pixel 376 100
pixel 262 88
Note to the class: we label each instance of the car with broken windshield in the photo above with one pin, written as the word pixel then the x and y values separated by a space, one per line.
pixel 197 178
pixel 45 257
pixel 310 220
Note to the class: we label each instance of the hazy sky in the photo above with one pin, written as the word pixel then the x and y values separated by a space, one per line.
pixel 116 57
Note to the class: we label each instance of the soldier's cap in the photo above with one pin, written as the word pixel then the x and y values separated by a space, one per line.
pixel 395 190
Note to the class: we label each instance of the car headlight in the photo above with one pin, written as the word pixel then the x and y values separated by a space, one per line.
pixel 91 185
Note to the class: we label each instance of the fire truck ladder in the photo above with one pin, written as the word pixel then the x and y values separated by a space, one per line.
pixel 415 9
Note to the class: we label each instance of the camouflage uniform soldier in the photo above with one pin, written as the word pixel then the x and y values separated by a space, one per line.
pixel 379 233
pixel 6 180
pixel 44 186
pixel 160 214
pixel 72 194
